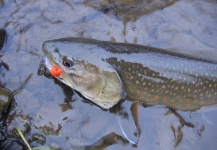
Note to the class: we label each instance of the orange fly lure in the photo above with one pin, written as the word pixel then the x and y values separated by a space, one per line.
pixel 56 71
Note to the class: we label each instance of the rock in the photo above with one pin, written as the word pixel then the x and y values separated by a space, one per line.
pixel 1 3
pixel 5 98
pixel 15 121
pixel 11 144
pixel 129 7
pixel 50 121
pixel 3 36
pixel 39 139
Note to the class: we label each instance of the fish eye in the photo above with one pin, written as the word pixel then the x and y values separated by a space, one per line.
pixel 67 62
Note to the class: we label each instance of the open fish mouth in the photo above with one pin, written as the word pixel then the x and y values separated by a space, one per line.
pixel 45 67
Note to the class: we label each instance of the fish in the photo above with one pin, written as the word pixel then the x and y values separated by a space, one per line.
pixel 108 72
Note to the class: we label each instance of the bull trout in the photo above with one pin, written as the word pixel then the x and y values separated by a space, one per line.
pixel 106 72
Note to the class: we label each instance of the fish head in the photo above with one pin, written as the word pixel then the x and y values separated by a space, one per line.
pixel 84 71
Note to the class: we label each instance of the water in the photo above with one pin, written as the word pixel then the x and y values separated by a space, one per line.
pixel 50 113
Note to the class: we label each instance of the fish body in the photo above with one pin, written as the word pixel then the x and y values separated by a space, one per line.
pixel 107 72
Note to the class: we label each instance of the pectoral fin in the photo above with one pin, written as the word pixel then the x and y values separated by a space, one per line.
pixel 129 122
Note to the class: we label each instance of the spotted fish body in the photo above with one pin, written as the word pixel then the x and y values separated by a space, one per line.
pixel 188 85
pixel 150 75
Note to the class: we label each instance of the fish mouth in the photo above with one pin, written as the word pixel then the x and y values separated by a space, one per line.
pixel 64 78
pixel 48 64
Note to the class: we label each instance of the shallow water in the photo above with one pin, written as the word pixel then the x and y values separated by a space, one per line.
pixel 52 114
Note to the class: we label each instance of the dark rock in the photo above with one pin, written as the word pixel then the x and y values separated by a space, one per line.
pixel 12 145
pixel 1 3
pixel 129 7
pixel 5 98
pixel 39 138
pixel 3 36
pixel 15 121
